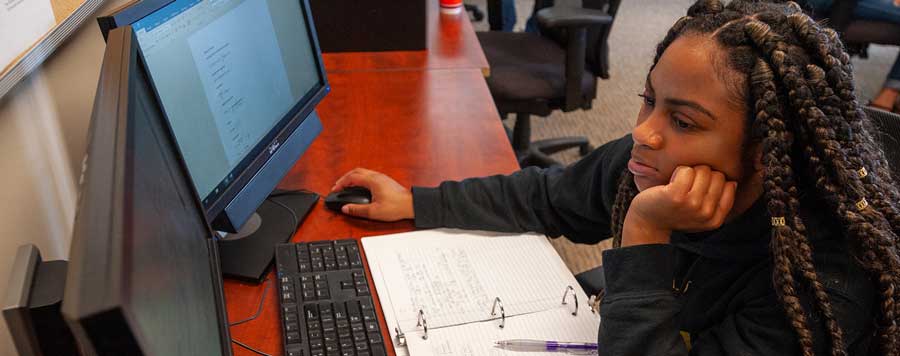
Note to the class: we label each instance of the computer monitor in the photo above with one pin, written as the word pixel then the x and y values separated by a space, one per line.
pixel 238 81
pixel 143 275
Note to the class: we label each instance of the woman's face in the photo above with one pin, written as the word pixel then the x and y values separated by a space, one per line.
pixel 688 117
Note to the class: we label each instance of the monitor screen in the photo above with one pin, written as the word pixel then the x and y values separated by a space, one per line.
pixel 230 75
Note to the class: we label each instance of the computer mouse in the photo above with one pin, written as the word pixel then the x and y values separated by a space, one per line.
pixel 349 195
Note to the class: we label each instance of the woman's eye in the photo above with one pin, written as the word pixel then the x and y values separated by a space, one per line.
pixel 681 123
pixel 647 99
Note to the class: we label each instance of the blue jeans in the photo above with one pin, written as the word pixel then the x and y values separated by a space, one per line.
pixel 882 10
pixel 508 21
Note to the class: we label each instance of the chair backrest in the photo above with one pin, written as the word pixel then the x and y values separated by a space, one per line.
pixel 597 53
pixel 888 125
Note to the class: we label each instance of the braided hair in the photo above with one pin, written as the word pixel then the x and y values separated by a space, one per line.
pixel 797 86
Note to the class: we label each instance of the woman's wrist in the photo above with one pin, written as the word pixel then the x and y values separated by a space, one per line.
pixel 636 230
pixel 408 206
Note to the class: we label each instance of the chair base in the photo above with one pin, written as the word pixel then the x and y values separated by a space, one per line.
pixel 538 153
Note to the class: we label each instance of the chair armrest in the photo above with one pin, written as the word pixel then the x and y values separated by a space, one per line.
pixel 567 16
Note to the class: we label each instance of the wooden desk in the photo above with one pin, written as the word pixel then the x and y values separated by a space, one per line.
pixel 419 127
pixel 452 44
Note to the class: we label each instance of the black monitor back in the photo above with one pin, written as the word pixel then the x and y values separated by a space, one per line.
pixel 143 272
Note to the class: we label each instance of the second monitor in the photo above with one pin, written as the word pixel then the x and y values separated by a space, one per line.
pixel 238 81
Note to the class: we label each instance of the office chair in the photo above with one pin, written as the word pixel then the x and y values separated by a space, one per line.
pixel 888 125
pixel 858 34
pixel 535 74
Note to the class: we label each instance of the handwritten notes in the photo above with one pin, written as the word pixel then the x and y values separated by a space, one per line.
pixel 454 278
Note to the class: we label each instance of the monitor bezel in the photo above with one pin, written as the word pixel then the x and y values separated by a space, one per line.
pixel 101 225
pixel 137 10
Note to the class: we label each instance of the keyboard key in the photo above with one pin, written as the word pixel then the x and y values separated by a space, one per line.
pixel 340 311
pixel 362 291
pixel 331 348
pixel 290 317
pixel 366 304
pixel 316 352
pixel 286 260
pixel 291 327
pixel 355 328
pixel 358 274
pixel 360 337
pixel 293 350
pixel 322 294
pixel 347 285
pixel 369 315
pixel 292 338
pixel 362 347
pixel 287 297
pixel 377 350
pixel 311 312
pixel 316 344
pixel 315 333
pixel 353 311
pixel 372 326
pixel 375 339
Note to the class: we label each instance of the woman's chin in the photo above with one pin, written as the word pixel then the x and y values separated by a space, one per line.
pixel 642 183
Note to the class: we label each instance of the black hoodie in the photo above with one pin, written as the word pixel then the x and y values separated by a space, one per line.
pixel 703 294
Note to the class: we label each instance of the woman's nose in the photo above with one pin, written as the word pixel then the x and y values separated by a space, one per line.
pixel 647 133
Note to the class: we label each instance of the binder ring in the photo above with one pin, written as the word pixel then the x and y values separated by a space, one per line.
pixel 574 296
pixel 502 311
pixel 401 337
pixel 423 323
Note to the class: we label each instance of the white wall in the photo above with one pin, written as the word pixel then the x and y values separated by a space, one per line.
pixel 43 127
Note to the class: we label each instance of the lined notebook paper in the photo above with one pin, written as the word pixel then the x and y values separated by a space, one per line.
pixel 454 277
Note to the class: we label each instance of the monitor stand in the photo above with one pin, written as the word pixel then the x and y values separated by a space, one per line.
pixel 248 253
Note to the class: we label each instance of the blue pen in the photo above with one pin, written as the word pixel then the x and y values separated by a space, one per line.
pixel 538 345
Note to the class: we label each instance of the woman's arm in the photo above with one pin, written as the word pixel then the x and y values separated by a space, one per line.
pixel 574 201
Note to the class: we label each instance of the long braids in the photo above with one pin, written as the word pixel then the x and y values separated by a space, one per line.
pixel 800 94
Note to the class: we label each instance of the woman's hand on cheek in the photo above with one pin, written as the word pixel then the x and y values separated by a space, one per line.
pixel 696 199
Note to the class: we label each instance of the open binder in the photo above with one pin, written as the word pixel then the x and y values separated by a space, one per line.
pixel 452 292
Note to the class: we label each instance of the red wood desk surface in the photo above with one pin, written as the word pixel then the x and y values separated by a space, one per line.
pixel 419 127
pixel 452 44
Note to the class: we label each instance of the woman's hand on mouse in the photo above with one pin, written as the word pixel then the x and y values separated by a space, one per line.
pixel 390 200
pixel 696 199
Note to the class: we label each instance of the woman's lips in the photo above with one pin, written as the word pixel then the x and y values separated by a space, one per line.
pixel 640 169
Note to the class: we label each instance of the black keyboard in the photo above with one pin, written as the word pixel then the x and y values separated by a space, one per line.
pixel 326 302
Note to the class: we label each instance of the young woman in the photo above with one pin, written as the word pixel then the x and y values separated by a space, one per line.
pixel 752 211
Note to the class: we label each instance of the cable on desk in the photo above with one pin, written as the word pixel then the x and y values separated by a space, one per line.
pixel 293 215
pixel 241 344
pixel 258 308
